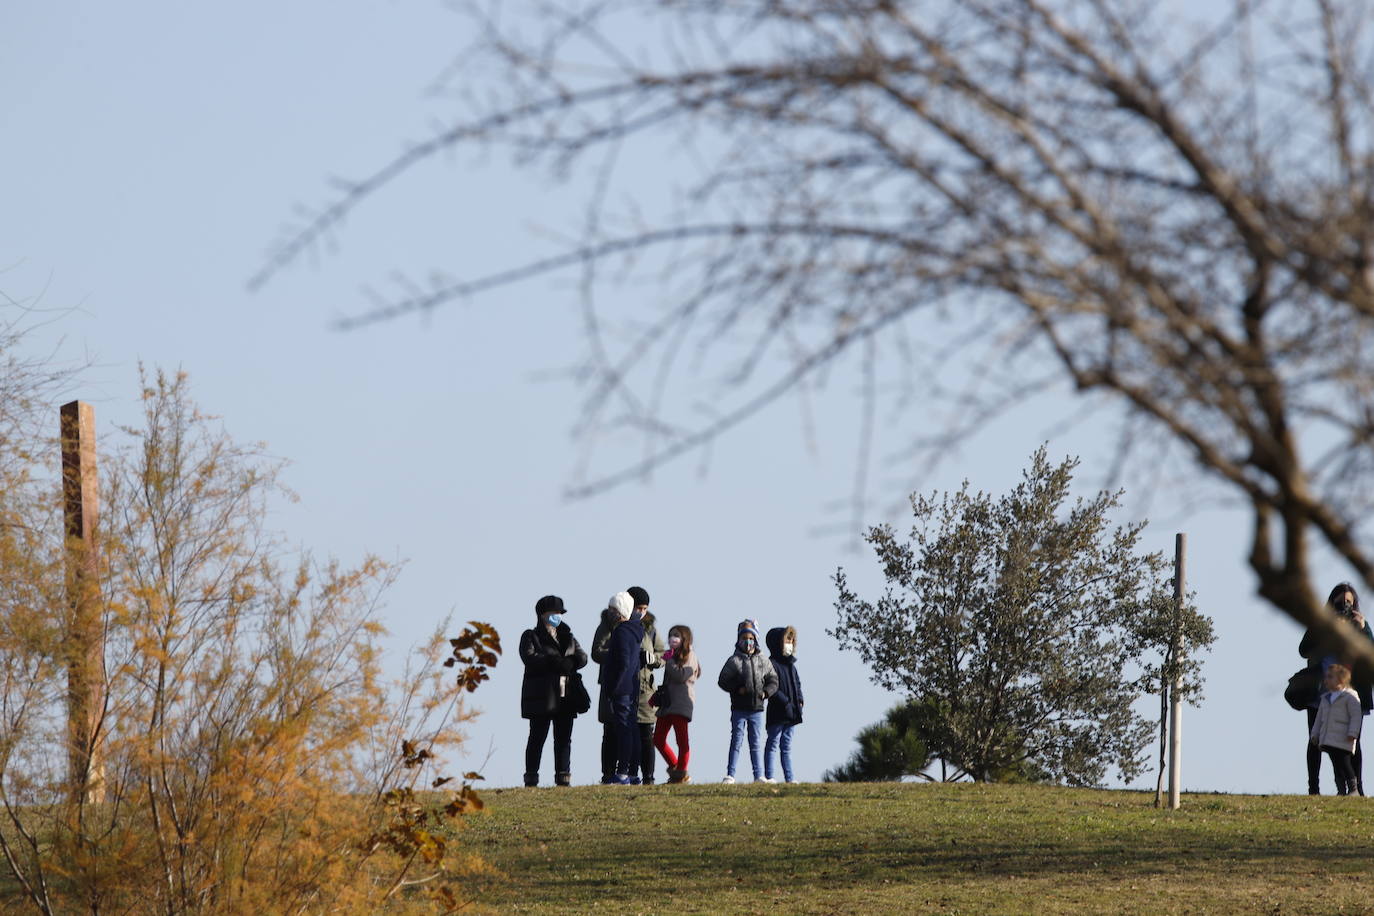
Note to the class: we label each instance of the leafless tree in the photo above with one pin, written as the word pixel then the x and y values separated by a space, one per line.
pixel 1171 208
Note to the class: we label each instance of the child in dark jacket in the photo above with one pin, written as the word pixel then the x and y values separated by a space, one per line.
pixel 750 680
pixel 784 706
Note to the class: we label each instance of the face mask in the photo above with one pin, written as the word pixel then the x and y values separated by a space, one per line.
pixel 788 648
pixel 674 642
pixel 636 614
pixel 554 619
pixel 746 645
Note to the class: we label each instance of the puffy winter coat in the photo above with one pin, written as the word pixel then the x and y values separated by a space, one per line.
pixel 548 658
pixel 680 684
pixel 1338 720
pixel 652 649
pixel 749 679
pixel 785 706
pixel 624 658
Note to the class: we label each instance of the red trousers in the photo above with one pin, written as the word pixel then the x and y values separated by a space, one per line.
pixel 678 724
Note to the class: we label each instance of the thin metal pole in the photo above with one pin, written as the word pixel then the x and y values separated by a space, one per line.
pixel 1175 704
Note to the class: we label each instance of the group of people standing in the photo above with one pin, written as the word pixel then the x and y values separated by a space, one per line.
pixel 1335 716
pixel 638 715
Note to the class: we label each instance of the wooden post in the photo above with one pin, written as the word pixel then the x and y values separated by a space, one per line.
pixel 1175 704
pixel 84 635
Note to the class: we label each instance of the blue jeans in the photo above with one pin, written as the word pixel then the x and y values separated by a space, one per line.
pixel 740 719
pixel 623 713
pixel 779 739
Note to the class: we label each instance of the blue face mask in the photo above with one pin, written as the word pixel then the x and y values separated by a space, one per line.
pixel 554 619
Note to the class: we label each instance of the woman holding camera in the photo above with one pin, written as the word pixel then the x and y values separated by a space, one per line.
pixel 1321 654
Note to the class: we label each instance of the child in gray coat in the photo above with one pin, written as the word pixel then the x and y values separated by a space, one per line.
pixel 750 680
pixel 1337 727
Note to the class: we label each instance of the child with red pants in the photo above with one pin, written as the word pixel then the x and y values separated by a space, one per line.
pixel 680 670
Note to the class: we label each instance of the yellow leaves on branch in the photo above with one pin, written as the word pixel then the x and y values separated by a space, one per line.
pixel 247 735
pixel 476 650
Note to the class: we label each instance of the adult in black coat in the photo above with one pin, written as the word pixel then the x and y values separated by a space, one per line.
pixel 1344 602
pixel 550 654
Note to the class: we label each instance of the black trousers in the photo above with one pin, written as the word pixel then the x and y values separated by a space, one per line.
pixel 647 754
pixel 1340 765
pixel 609 751
pixel 1314 760
pixel 562 745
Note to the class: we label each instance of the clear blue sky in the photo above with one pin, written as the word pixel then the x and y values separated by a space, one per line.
pixel 153 149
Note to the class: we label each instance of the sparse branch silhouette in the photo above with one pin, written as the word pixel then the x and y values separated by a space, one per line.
pixel 1174 214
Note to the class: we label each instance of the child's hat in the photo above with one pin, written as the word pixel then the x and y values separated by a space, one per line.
pixel 750 627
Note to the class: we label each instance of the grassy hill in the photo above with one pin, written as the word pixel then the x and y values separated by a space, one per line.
pixel 916 848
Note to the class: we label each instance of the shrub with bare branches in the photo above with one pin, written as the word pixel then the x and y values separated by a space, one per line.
pixel 251 753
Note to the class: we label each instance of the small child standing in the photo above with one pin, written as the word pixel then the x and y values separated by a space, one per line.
pixel 750 680
pixel 1337 726
pixel 785 706
pixel 680 671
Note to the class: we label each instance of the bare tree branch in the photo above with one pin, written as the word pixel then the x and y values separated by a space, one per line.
pixel 1175 216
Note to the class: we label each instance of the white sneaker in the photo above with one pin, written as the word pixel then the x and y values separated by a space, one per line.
pixel 729 780
pixel 766 779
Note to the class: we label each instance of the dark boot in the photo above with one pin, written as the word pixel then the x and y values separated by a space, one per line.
pixel 562 779
pixel 531 779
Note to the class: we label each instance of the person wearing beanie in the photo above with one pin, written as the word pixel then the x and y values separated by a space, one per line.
pixel 621 673
pixel 652 652
pixel 750 680
pixel 784 706
pixel 549 692
pixel 679 695
pixel 618 610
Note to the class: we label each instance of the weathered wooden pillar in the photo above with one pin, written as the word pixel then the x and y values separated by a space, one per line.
pixel 84 633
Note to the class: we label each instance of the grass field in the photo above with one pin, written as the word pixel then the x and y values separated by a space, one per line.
pixel 917 848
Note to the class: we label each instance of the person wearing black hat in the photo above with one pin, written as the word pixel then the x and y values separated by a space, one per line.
pixel 551 655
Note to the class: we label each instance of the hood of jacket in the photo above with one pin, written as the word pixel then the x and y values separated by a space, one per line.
pixel 774 640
